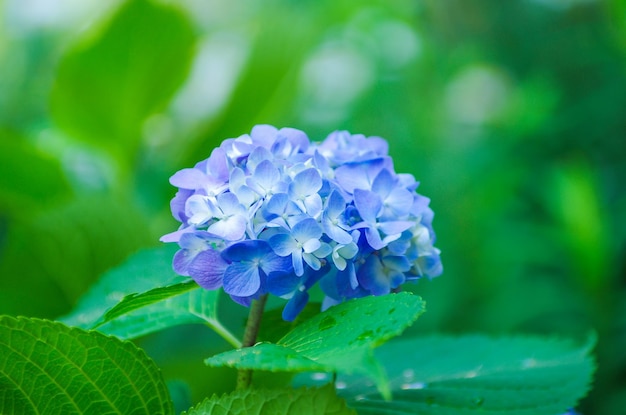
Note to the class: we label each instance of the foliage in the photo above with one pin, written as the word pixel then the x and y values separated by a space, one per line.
pixel 509 113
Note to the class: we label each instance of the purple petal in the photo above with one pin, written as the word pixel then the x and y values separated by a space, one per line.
pixel 218 164
pixel 189 179
pixel 264 135
pixel 207 269
pixel 297 138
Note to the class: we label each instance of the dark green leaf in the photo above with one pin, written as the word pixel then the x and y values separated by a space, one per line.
pixel 47 367
pixel 113 79
pixel 466 375
pixel 322 401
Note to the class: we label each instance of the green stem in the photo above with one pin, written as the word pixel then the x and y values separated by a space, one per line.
pixel 244 376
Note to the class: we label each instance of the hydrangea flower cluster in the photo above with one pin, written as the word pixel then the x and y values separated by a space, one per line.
pixel 272 212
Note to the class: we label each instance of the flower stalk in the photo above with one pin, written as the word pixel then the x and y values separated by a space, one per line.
pixel 244 376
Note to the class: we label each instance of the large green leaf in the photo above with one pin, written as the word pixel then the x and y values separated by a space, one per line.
pixel 475 374
pixel 47 367
pixel 113 79
pixel 340 339
pixel 303 401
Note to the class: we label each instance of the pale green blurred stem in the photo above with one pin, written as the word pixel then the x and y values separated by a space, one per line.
pixel 244 376
pixel 217 327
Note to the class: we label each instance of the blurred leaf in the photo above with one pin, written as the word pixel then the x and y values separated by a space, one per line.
pixel 28 178
pixel 50 259
pixel 340 339
pixel 303 401
pixel 47 367
pixel 113 79
pixel 475 374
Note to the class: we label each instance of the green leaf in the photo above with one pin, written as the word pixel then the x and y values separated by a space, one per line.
pixel 116 77
pixel 143 271
pixel 340 339
pixel 47 367
pixel 303 401
pixel 268 356
pixel 465 375
pixel 144 296
pixel 198 306
pixel 134 302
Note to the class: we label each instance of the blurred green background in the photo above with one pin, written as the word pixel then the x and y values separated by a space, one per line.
pixel 512 114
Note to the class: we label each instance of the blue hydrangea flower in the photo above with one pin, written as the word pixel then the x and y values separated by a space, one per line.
pixel 273 212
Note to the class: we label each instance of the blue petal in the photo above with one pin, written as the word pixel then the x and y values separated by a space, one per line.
pixel 246 250
pixel 335 204
pixel 274 263
pixel 276 206
pixel 306 229
pixel 296 261
pixel 306 183
pixel 399 201
pixel 231 229
pixel 373 239
pixel 295 305
pixel 282 283
pixel 282 244
pixel 395 227
pixel 242 279
pixel 353 176
pixel 334 232
pixel 266 174
pixel 372 277
pixel 368 204
pixel 383 183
